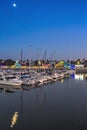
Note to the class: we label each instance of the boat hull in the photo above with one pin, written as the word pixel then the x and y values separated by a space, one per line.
pixel 10 83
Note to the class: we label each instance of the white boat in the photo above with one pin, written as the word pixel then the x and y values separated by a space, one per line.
pixel 10 80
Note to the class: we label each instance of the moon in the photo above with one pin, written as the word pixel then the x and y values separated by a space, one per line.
pixel 14 4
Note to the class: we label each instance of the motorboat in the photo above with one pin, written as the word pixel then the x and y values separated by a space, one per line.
pixel 10 80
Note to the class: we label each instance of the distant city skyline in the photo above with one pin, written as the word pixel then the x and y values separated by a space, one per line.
pixel 36 26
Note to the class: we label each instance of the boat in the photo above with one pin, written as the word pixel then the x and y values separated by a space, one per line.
pixel 10 80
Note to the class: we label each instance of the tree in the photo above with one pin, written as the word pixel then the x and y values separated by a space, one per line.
pixel 36 62
pixel 9 62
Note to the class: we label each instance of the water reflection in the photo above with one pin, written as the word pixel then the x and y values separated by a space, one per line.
pixel 62 81
pixel 79 76
pixel 6 91
pixel 1 89
pixel 14 119
pixel 54 106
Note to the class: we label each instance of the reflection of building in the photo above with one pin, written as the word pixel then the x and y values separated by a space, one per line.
pixel 79 76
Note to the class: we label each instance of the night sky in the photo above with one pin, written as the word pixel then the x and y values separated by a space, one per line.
pixel 57 27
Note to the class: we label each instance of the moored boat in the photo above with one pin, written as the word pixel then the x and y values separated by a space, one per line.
pixel 10 80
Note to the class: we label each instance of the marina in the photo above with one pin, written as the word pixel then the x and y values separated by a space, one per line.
pixel 31 78
pixel 60 104
pixel 43 65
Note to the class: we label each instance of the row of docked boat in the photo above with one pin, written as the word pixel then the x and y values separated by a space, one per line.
pixel 30 78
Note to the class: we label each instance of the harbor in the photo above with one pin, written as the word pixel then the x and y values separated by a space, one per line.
pixel 43 65
pixel 43 99
pixel 31 78
pixel 54 105
pixel 31 74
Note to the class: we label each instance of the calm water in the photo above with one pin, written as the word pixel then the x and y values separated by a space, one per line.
pixel 55 106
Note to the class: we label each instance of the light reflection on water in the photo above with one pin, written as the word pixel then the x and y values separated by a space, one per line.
pixel 61 105
pixel 14 119
pixel 79 76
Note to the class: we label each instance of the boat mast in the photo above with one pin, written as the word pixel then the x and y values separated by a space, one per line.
pixel 21 55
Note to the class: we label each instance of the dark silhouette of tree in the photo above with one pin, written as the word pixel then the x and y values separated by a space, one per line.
pixel 9 62
pixel 36 62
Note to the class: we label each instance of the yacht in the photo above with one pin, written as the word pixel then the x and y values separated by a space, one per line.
pixel 10 80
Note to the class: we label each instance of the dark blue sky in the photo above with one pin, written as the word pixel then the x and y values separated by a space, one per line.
pixel 58 26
